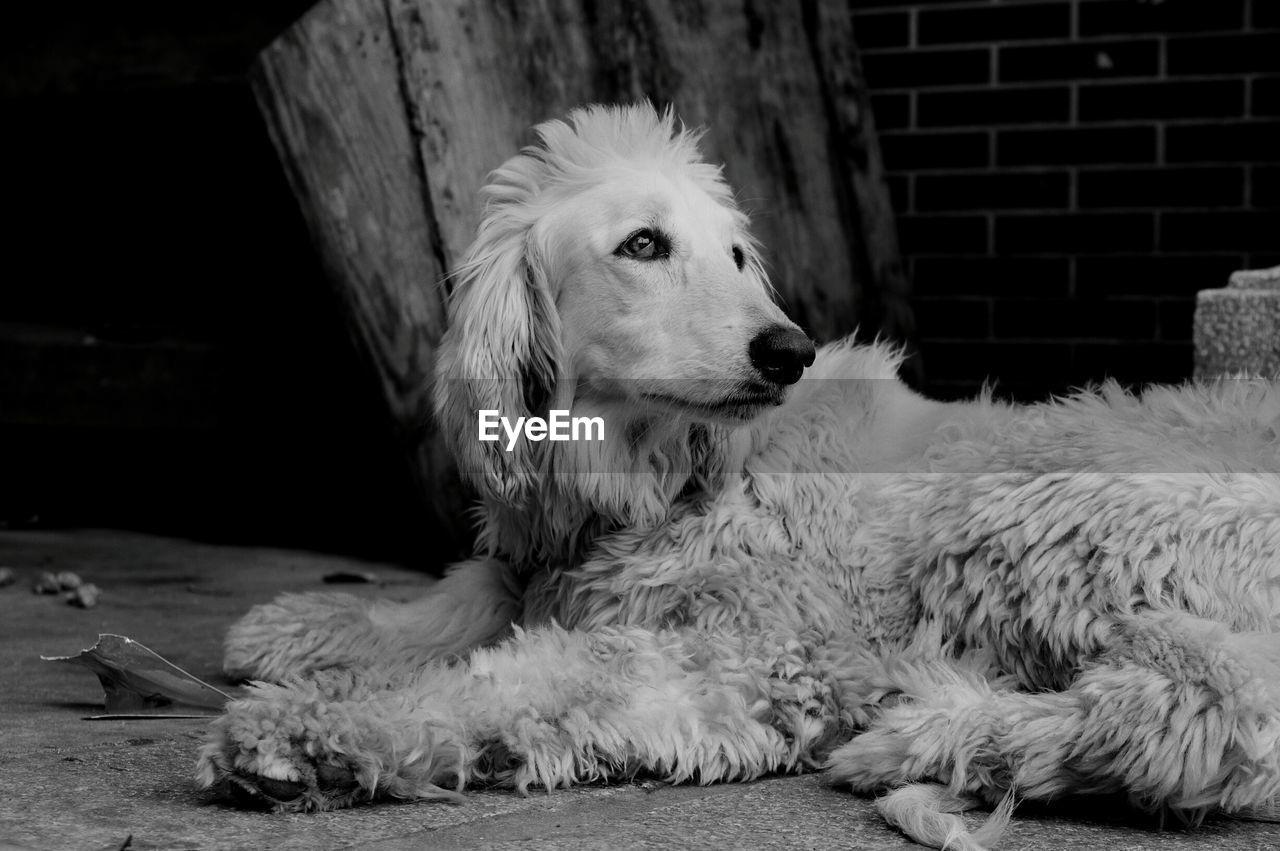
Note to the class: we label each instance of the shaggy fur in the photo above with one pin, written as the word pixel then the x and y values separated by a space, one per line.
pixel 959 603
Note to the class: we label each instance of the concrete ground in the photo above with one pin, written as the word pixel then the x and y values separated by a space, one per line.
pixel 68 783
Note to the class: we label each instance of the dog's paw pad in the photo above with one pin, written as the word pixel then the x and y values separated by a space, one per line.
pixel 262 793
pixel 280 790
pixel 336 778
pixel 335 786
pixel 323 787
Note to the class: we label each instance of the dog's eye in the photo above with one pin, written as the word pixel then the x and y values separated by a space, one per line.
pixel 739 259
pixel 643 245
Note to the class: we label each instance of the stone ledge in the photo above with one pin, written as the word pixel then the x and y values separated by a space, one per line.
pixel 1237 327
pixel 1255 279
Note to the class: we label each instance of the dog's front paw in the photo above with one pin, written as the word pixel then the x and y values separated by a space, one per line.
pixel 281 748
pixel 326 744
pixel 296 634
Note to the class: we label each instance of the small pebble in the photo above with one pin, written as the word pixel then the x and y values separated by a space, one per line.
pixel 68 581
pixel 46 584
pixel 84 596
pixel 7 576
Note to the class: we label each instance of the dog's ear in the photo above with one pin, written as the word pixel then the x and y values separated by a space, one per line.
pixel 502 347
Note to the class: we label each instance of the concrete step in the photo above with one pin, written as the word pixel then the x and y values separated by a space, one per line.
pixel 74 784
pixel 1237 327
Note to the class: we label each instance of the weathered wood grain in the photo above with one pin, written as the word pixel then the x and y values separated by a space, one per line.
pixel 331 90
pixel 389 114
pixel 776 85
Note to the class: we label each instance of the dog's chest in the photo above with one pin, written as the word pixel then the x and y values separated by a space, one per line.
pixel 790 554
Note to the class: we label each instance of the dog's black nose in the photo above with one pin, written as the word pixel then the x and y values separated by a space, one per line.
pixel 781 353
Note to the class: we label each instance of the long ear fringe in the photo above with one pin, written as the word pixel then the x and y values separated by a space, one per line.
pixel 503 343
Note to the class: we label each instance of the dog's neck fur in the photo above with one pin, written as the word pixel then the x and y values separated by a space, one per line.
pixel 647 462
pixel 654 462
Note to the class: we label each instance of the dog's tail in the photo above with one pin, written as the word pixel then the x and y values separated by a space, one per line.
pixel 926 812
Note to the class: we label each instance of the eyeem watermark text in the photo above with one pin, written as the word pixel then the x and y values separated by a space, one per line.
pixel 558 426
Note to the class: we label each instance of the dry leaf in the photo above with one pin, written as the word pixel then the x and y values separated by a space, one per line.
pixel 137 681
pixel 67 580
pixel 46 583
pixel 83 596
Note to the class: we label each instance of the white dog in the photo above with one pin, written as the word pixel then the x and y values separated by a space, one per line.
pixel 756 573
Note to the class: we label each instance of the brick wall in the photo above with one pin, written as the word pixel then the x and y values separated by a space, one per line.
pixel 1068 173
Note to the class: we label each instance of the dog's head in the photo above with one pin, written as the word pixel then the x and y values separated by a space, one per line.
pixel 611 265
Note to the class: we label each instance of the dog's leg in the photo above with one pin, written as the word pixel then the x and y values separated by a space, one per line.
pixel 1179 713
pixel 297 634
pixel 549 707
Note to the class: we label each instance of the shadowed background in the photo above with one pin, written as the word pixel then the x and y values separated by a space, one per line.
pixel 1066 174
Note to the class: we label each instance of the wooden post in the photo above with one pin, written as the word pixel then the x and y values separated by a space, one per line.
pixel 332 91
pixel 388 114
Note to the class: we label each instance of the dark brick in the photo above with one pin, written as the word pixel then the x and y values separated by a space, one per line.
pixel 1076 146
pixel 1232 231
pixel 998 23
pixel 1265 191
pixel 1143 16
pixel 892 112
pixel 1134 364
pixel 893 4
pixel 950 391
pixel 1104 59
pixel 953 318
pixel 1234 142
pixel 1176 316
pixel 985 107
pixel 1224 54
pixel 1265 98
pixel 1266 14
pixel 884 29
pixel 1072 319
pixel 1026 392
pixel 955 360
pixel 934 150
pixel 977 361
pixel 948 363
pixel 1161 187
pixel 1188 99
pixel 1012 190
pixel 1074 233
pixel 1010 277
pixel 943 234
pixel 910 68
pixel 1152 275
pixel 899 192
